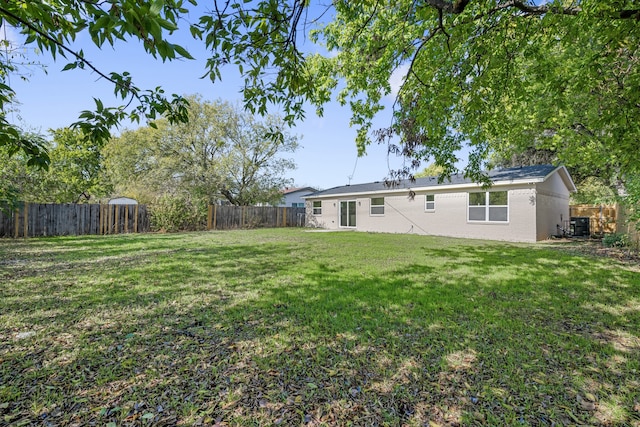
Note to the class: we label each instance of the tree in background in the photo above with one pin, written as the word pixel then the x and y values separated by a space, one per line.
pixel 253 168
pixel 74 175
pixel 129 162
pixel 76 171
pixel 430 170
pixel 593 190
pixel 222 153
pixel 18 181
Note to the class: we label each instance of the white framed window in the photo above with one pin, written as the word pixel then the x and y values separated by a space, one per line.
pixel 489 206
pixel 317 207
pixel 377 206
pixel 297 205
pixel 430 202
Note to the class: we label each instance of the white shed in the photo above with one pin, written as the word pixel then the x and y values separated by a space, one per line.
pixel 123 201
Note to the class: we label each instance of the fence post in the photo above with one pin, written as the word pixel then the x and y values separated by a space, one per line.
pixel 116 220
pixel 284 217
pixel 16 224
pixel 26 221
pixel 135 220
pixel 106 219
pixel 103 219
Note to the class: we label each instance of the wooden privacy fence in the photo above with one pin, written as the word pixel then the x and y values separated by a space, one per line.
pixel 228 217
pixel 602 218
pixel 628 226
pixel 34 219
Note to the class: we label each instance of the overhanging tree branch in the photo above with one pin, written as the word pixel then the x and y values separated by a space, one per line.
pixel 80 58
pixel 458 6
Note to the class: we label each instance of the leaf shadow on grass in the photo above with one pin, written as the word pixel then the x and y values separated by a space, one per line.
pixel 263 334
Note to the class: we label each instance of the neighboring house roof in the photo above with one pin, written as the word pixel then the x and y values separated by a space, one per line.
pixel 518 175
pixel 296 189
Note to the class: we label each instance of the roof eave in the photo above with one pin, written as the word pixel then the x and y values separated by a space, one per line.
pixel 566 178
pixel 468 185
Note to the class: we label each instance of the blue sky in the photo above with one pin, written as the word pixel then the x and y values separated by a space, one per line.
pixel 327 156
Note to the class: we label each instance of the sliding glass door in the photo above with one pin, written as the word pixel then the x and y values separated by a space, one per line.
pixel 348 213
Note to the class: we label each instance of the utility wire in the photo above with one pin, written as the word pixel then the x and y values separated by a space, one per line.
pixel 350 177
pixel 407 218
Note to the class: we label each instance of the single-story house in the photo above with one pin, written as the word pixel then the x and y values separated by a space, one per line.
pixel 293 196
pixel 523 204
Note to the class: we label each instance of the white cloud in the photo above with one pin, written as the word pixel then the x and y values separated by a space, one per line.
pixel 397 79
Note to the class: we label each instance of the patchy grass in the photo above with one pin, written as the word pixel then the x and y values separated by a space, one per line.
pixel 270 327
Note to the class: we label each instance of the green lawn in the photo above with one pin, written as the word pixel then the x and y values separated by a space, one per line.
pixel 288 327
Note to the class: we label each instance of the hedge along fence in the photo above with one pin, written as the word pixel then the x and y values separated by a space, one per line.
pixel 230 217
pixel 35 219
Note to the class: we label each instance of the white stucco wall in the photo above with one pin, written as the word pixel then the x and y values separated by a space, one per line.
pixel 405 215
pixel 552 206
pixel 327 219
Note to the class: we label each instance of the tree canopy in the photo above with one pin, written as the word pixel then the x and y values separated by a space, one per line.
pixel 75 172
pixel 498 76
pixel 494 75
pixel 222 153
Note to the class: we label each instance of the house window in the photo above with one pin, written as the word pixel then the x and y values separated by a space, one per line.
pixel 489 206
pixel 430 202
pixel 377 206
pixel 297 205
pixel 317 208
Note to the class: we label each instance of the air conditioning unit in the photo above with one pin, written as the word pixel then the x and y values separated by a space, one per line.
pixel 579 226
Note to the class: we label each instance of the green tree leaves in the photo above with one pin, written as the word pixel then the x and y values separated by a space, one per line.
pixel 495 76
pixel 74 171
pixel 53 27
pixel 220 154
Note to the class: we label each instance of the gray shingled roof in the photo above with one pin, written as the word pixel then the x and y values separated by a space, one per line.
pixel 510 174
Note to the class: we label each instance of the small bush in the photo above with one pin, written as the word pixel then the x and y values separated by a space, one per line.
pixel 615 240
pixel 171 214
